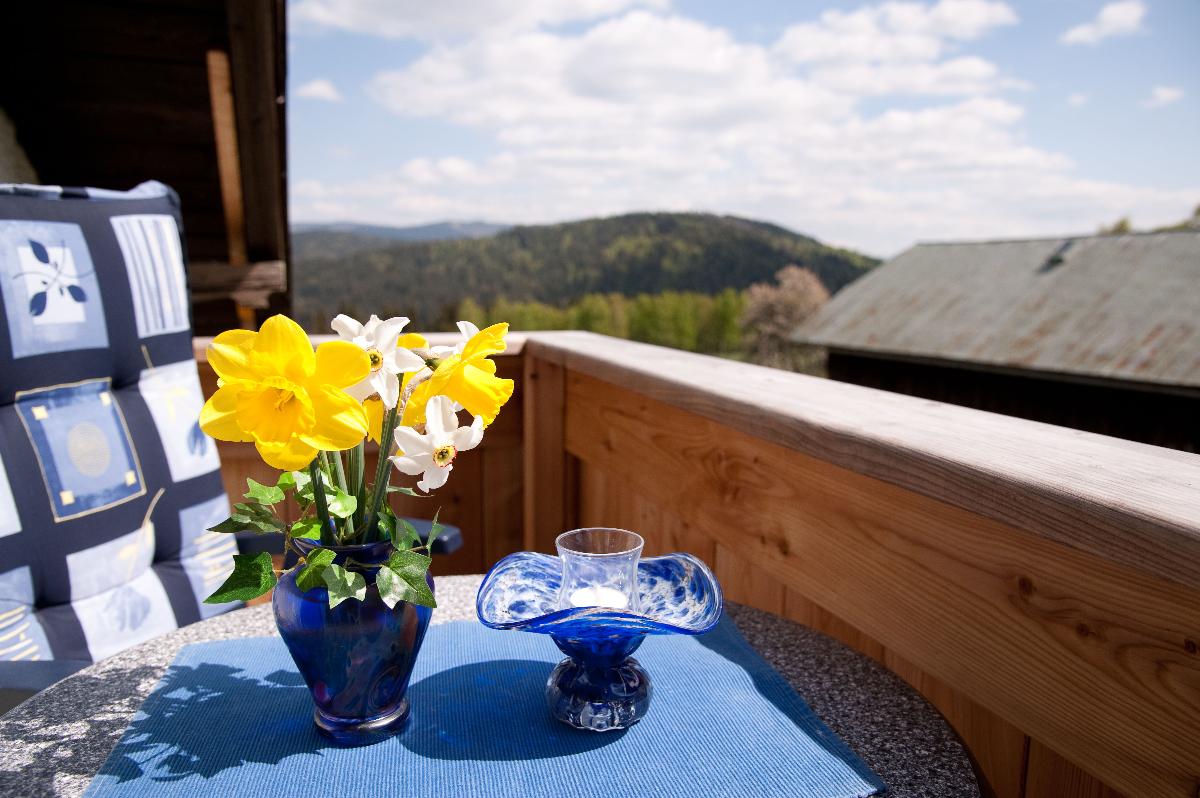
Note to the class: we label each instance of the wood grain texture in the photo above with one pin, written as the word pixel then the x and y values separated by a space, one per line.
pixel 503 502
pixel 220 84
pixel 744 583
pixel 1051 776
pixel 1130 503
pixel 545 482
pixel 998 748
pixel 805 611
pixel 256 33
pixel 607 500
pixel 1094 655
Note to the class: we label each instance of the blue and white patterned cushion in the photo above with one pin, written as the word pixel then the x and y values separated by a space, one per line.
pixel 107 483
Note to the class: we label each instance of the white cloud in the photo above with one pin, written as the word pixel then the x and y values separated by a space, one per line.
pixel 893 31
pixel 1115 19
pixel 1077 100
pixel 652 111
pixel 1163 95
pixel 439 19
pixel 320 89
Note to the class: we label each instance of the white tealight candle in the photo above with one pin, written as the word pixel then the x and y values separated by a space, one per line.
pixel 599 597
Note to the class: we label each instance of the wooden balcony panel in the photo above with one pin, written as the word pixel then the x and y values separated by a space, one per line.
pixel 1041 586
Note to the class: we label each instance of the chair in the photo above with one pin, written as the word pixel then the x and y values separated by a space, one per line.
pixel 107 483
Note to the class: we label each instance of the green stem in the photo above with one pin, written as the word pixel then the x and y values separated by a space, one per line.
pixel 314 471
pixel 355 458
pixel 345 486
pixel 383 473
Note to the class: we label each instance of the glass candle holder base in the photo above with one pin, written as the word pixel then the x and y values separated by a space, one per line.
pixel 599 699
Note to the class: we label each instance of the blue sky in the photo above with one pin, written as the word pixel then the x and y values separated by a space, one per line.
pixel 866 124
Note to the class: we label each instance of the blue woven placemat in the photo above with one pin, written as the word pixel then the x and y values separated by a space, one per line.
pixel 234 718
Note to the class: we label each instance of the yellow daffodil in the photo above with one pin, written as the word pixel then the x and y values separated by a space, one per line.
pixel 275 391
pixel 375 409
pixel 412 341
pixel 468 378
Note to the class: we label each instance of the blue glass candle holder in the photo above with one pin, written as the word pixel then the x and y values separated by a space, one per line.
pixel 599 686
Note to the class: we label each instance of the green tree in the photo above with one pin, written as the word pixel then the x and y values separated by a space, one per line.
pixel 720 329
pixel 472 311
pixel 1119 227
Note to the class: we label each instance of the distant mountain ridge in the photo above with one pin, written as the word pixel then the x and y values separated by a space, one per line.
pixel 630 254
pixel 315 240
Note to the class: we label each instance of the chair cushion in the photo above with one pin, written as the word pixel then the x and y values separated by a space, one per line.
pixel 107 483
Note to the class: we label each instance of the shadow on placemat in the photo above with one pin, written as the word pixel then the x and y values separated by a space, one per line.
pixel 507 723
pixel 195 702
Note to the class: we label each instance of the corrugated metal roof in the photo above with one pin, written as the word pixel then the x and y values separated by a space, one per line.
pixel 1118 307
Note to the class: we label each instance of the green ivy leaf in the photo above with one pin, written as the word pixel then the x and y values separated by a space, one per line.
pixel 404 535
pixel 253 575
pixel 257 517
pixel 309 528
pixel 342 504
pixel 406 584
pixel 263 494
pixel 343 584
pixel 408 559
pixel 304 490
pixel 386 522
pixel 286 481
pixel 249 518
pixel 435 529
pixel 234 523
pixel 310 575
pixel 403 579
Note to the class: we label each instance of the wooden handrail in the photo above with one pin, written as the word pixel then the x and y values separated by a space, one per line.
pixel 516 343
pixel 1128 502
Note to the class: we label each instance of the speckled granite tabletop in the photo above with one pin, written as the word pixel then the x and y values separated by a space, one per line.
pixel 55 742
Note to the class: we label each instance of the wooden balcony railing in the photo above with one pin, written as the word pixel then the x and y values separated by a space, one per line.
pixel 1041 586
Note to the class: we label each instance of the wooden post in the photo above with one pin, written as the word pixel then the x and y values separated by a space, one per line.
pixel 220 88
pixel 546 467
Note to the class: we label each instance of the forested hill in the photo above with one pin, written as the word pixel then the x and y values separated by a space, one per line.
pixel 641 253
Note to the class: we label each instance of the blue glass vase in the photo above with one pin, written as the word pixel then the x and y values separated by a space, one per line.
pixel 357 657
pixel 599 686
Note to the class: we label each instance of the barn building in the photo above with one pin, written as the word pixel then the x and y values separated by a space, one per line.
pixel 1098 333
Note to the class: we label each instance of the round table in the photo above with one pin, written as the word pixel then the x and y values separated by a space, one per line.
pixel 56 741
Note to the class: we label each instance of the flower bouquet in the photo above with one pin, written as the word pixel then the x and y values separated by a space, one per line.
pixel 354 609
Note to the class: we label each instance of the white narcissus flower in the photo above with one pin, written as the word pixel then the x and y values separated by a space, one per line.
pixel 432 455
pixel 378 339
pixel 467 330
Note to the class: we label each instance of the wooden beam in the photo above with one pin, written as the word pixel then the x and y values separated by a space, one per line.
pixel 258 62
pixel 1094 657
pixel 251 287
pixel 229 168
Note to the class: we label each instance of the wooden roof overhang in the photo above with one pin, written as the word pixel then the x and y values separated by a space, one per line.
pixel 111 93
